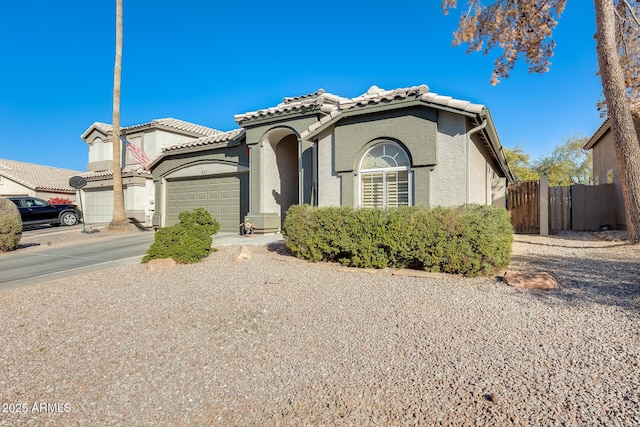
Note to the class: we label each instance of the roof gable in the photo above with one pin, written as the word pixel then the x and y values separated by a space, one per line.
pixel 317 102
pixel 375 98
pixel 220 140
pixel 170 124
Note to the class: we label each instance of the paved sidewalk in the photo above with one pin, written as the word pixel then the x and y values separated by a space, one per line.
pixel 234 239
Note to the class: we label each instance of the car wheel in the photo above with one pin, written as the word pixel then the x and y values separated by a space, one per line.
pixel 69 218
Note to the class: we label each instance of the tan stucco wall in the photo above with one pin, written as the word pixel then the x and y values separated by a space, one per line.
pixel 46 195
pixel 12 188
pixel 100 152
pixel 139 201
pixel 9 187
pixel 139 195
pixel 604 159
pixel 153 141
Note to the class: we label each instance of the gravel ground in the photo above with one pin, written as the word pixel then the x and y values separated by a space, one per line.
pixel 278 341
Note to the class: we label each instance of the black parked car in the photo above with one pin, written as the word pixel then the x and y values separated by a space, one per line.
pixel 36 211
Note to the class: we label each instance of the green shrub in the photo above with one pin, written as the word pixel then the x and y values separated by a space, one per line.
pixel 188 241
pixel 10 225
pixel 471 240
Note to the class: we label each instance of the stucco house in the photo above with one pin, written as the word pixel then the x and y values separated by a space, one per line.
pixel 29 179
pixel 138 188
pixel 605 166
pixel 384 148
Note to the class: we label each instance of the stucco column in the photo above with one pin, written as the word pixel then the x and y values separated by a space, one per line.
pixel 265 222
pixel 305 171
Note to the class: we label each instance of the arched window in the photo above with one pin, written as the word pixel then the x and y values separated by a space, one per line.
pixel 385 177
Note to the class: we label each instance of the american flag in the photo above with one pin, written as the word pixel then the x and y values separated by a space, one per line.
pixel 138 154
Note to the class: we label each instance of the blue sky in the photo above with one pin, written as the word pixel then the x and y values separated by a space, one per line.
pixel 203 62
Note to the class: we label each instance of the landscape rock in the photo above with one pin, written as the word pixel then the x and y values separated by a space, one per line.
pixel 244 254
pixel 164 264
pixel 530 280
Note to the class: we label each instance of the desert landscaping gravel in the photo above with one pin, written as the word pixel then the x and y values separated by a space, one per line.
pixel 279 341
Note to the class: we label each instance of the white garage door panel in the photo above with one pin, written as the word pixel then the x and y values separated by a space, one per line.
pixel 218 195
pixel 98 206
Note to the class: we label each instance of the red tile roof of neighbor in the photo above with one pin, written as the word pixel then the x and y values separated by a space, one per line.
pixel 38 177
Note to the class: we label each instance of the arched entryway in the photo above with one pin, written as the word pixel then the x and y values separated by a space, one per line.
pixel 286 151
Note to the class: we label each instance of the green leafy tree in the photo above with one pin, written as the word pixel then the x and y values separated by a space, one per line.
pixel 520 164
pixel 568 163
pixel 525 28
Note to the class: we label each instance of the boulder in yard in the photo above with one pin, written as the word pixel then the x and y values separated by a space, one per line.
pixel 163 264
pixel 244 254
pixel 530 280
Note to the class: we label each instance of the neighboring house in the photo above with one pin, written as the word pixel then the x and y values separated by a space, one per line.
pixel 605 166
pixel 28 179
pixel 137 183
pixel 384 148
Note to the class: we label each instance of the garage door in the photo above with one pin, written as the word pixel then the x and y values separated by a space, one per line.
pixel 219 195
pixel 97 206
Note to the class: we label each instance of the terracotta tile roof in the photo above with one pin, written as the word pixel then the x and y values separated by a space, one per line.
pixel 331 106
pixel 166 123
pixel 129 170
pixel 176 124
pixel 221 139
pixel 456 104
pixel 104 127
pixel 38 177
pixel 318 101
pixel 376 96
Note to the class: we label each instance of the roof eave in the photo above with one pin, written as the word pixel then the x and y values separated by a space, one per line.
pixel 602 130
pixel 247 119
pixel 495 144
pixel 56 190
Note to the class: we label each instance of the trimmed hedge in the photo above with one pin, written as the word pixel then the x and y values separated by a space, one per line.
pixel 471 240
pixel 187 241
pixel 10 225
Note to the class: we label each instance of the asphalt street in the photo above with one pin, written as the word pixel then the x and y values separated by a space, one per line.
pixel 57 263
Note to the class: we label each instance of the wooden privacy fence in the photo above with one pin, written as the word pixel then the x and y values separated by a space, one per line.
pixel 523 201
pixel 576 207
pixel 560 208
